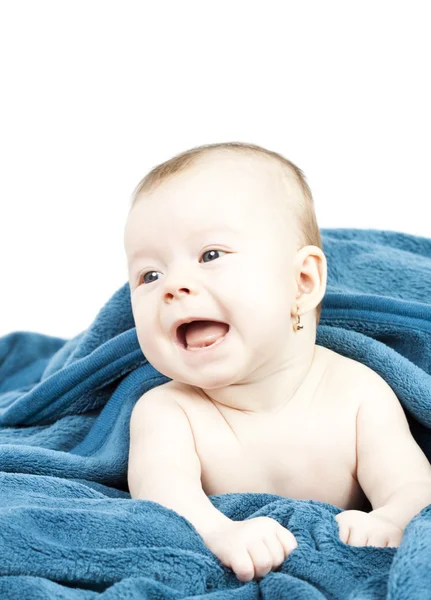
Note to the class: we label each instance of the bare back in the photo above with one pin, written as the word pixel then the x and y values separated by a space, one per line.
pixel 306 452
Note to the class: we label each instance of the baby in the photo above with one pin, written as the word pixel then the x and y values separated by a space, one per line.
pixel 227 275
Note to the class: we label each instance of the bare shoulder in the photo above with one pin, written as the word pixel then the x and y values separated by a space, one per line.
pixel 166 393
pixel 173 390
pixel 350 369
pixel 359 378
pixel 350 379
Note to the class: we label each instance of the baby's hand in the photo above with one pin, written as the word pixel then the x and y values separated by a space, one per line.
pixel 358 528
pixel 251 548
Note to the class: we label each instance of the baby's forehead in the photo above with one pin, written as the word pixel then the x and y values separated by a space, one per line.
pixel 232 176
pixel 223 191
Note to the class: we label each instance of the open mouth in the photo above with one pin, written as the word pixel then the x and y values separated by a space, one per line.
pixel 181 336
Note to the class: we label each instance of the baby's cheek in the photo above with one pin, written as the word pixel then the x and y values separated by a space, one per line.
pixel 146 340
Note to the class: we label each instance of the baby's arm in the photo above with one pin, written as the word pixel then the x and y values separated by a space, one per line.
pixel 393 471
pixel 165 468
pixel 163 464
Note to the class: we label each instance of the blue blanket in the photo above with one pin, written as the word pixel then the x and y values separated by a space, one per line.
pixel 68 527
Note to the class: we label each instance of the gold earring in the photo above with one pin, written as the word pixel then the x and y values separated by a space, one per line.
pixel 297 326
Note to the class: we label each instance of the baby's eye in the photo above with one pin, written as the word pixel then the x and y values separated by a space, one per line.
pixel 142 275
pixel 208 251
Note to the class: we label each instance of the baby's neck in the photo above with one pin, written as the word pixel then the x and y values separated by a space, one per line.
pixel 272 394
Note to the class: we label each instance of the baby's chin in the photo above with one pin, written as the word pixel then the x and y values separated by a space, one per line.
pixel 213 369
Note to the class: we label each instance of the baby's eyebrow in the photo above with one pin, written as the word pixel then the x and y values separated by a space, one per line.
pixel 147 250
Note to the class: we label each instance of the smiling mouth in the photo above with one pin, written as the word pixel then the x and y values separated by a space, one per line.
pixel 181 337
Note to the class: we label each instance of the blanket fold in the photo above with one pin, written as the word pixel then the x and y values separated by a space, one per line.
pixel 69 528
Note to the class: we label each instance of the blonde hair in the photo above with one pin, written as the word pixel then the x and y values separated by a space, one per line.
pixel 304 211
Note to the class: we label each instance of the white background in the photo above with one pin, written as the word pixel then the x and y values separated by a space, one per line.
pixel 96 93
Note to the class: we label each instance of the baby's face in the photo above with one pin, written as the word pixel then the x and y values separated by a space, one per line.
pixel 215 241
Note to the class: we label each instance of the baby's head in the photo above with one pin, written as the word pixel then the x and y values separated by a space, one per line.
pixel 227 232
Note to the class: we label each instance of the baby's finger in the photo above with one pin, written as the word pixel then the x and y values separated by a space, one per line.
pixel 394 539
pixel 242 565
pixel 275 549
pixel 286 539
pixel 261 557
pixel 343 532
pixel 357 537
pixel 377 540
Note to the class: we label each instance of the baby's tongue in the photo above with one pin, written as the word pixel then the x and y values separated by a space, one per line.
pixel 204 333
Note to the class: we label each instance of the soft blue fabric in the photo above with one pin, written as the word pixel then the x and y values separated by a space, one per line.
pixel 68 527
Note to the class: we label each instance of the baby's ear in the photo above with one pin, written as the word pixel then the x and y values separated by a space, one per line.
pixel 311 273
